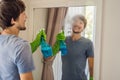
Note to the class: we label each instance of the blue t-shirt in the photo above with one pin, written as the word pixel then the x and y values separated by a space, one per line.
pixel 74 63
pixel 15 57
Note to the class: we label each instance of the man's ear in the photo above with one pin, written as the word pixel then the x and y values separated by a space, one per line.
pixel 12 21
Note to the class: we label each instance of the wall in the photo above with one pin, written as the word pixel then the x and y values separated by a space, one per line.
pixel 58 3
pixel 24 34
pixel 110 65
pixel 40 19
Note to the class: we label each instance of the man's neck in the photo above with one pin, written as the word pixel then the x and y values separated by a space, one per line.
pixel 11 30
pixel 76 36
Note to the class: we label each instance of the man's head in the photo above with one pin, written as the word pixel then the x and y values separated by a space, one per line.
pixel 12 13
pixel 79 24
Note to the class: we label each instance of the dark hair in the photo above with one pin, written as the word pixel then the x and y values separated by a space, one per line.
pixel 82 18
pixel 10 9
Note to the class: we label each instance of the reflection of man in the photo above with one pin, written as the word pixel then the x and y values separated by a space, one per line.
pixel 79 50
pixel 16 61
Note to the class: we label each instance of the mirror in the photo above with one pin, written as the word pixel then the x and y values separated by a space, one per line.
pixel 53 20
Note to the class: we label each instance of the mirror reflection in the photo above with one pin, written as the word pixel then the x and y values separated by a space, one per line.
pixel 78 24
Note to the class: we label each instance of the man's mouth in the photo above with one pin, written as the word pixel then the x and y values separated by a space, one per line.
pixel 76 26
pixel 76 32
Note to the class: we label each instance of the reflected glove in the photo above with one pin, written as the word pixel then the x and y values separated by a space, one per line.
pixel 60 36
pixel 45 48
pixel 91 78
pixel 61 39
pixel 56 48
pixel 60 44
pixel 35 44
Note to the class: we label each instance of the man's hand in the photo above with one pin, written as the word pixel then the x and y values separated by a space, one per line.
pixel 26 76
pixel 56 46
pixel 91 66
pixel 36 43
pixel 60 36
pixel 39 35
pixel 91 78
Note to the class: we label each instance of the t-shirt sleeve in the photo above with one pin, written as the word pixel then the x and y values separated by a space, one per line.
pixel 90 50
pixel 24 61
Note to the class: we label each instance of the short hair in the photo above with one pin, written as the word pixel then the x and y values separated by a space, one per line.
pixel 10 9
pixel 82 18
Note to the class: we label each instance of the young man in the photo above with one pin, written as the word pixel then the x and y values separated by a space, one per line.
pixel 79 50
pixel 16 61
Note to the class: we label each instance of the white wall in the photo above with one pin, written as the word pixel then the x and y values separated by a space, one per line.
pixel 110 65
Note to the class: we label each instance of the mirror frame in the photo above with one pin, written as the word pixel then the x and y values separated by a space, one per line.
pixel 98 33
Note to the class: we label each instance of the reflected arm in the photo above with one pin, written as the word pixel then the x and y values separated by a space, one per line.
pixel 91 67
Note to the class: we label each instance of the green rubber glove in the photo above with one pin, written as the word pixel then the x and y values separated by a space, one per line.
pixel 56 46
pixel 91 78
pixel 61 36
pixel 36 43
pixel 43 34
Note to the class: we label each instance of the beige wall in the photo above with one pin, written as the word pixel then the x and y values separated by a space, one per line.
pixel 40 19
pixel 24 34
pixel 110 65
pixel 58 3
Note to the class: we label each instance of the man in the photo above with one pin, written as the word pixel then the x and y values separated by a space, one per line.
pixel 16 61
pixel 79 50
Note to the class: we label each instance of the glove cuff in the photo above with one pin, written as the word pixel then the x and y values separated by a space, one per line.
pixel 91 78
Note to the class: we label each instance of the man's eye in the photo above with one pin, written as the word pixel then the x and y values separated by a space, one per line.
pixel 80 22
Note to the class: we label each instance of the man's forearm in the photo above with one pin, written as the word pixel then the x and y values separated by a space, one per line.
pixel 91 71
pixel 26 76
pixel 91 66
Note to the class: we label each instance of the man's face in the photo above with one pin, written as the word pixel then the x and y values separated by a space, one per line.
pixel 20 22
pixel 77 26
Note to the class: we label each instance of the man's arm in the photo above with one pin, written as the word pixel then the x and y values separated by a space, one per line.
pixel 90 57
pixel 91 66
pixel 24 61
pixel 26 76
